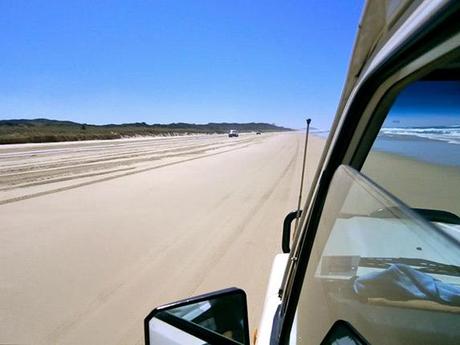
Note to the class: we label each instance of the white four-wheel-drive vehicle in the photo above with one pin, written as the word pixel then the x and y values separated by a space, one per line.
pixel 233 133
pixel 375 258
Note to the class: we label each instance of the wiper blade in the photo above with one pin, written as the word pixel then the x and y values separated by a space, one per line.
pixel 422 265
pixel 440 216
pixel 431 215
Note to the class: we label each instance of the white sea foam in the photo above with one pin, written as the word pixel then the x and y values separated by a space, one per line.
pixel 449 134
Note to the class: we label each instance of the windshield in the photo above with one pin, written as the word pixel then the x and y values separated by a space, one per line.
pixel 416 155
pixel 375 263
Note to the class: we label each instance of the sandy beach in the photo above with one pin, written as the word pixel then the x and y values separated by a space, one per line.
pixel 419 184
pixel 96 234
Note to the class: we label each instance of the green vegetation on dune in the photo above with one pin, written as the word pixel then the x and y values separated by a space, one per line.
pixel 44 130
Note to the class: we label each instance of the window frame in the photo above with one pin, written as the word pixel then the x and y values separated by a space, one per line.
pixel 419 54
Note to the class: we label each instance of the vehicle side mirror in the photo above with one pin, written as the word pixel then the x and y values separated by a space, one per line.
pixel 286 240
pixel 215 318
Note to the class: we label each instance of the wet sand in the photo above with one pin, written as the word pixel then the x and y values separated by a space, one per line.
pixel 419 184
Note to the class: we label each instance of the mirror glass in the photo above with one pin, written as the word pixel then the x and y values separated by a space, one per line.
pixel 216 318
pixel 162 333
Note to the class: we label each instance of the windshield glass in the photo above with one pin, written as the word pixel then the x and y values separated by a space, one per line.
pixel 416 155
pixel 392 275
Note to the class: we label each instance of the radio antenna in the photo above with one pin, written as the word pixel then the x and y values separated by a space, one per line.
pixel 303 174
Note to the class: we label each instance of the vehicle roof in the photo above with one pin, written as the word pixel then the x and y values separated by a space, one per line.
pixel 380 19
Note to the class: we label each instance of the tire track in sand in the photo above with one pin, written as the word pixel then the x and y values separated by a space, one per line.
pixel 62 189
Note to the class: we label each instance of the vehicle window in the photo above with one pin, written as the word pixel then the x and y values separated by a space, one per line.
pixel 416 155
pixel 393 276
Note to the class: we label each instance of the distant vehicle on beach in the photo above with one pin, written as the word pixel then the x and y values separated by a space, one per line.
pixel 258 133
pixel 233 133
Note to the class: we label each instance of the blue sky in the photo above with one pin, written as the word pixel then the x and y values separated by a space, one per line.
pixel 426 104
pixel 175 61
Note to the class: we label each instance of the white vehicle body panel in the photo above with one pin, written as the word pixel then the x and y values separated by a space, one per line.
pixel 370 237
pixel 271 299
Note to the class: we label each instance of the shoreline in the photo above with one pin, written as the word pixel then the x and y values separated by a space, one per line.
pixel 427 150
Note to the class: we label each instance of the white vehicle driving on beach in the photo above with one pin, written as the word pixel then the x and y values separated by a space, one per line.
pixel 375 258
pixel 233 133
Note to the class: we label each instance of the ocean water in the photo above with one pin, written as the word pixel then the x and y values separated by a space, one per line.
pixel 438 144
pixel 320 133
pixel 449 134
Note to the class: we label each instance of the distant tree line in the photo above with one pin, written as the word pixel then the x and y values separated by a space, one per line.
pixel 45 130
